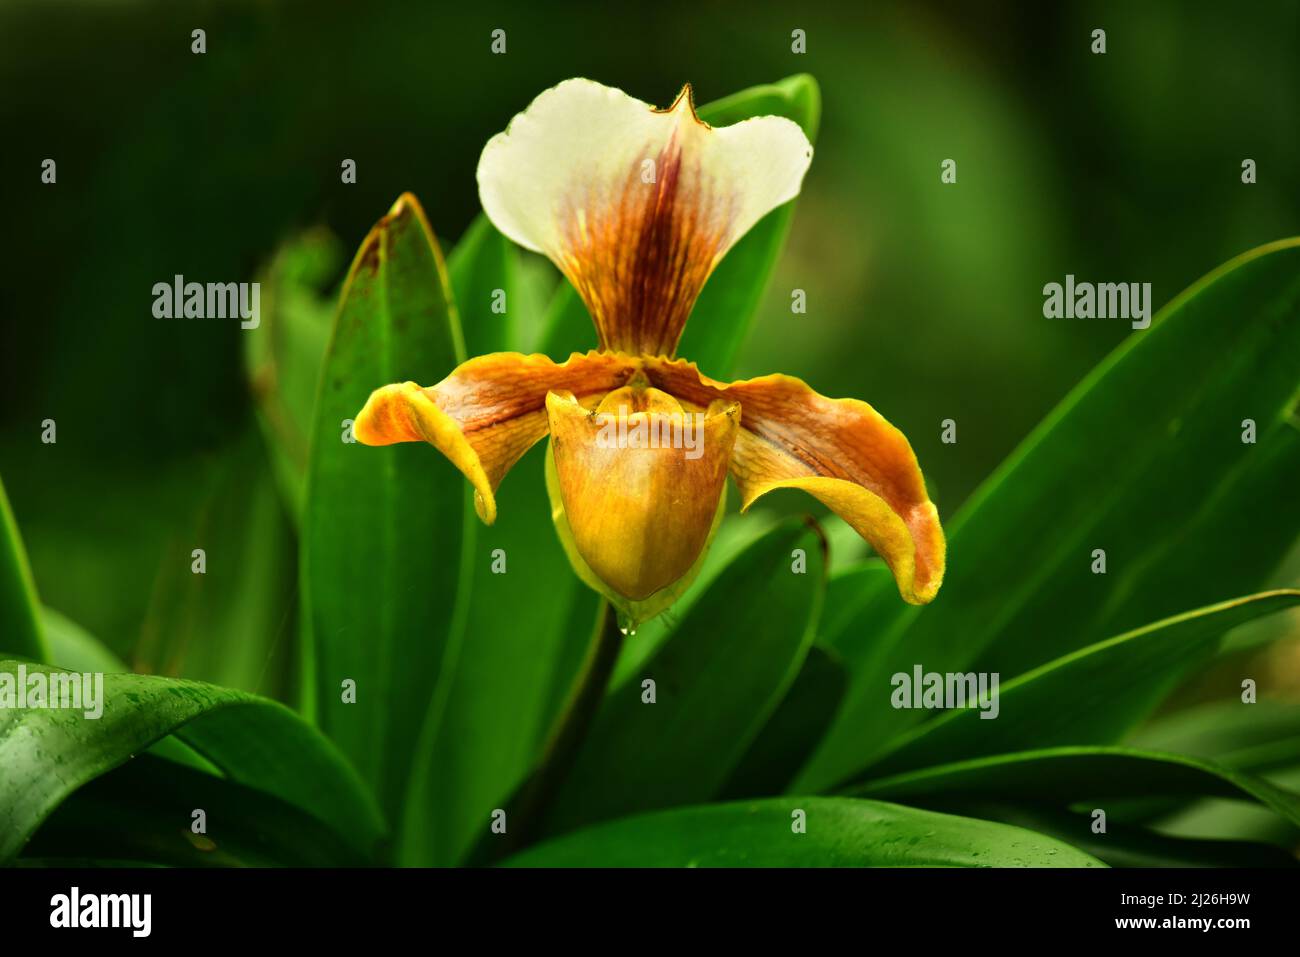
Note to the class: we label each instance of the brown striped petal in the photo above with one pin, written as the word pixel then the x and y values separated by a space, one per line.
pixel 841 451
pixel 487 413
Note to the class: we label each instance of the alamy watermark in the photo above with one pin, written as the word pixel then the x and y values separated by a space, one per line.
pixel 60 690
pixel 179 299
pixel 676 430
pixel 1103 300
pixel 936 691
pixel 133 912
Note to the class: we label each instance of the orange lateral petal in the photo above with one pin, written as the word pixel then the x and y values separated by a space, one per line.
pixel 841 451
pixel 487 413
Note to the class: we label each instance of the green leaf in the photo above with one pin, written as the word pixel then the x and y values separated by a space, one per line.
pixel 1224 818
pixel 861 594
pixel 1145 460
pixel 841 832
pixel 1071 775
pixel 530 628
pixel 385 531
pixel 151 803
pixel 795 727
pixel 1262 738
pixel 566 325
pixel 48 753
pixel 529 616
pixel 233 624
pixel 1091 696
pixel 726 307
pixel 1123 845
pixel 20 627
pixel 482 263
pixel 862 606
pixel 283 355
pixel 849 550
pixel 74 648
pixel 717 679
pixel 735 534
pixel 1259 737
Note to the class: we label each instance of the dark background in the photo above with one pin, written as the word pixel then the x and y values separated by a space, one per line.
pixel 924 299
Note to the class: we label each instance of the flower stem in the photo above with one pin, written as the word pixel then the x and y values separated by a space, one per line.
pixel 527 808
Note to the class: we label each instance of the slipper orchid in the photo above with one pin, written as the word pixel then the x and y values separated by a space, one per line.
pixel 636 206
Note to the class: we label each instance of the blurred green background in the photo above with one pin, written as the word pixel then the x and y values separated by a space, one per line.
pixel 923 298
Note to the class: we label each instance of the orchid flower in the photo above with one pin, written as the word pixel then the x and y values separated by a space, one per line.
pixel 636 206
